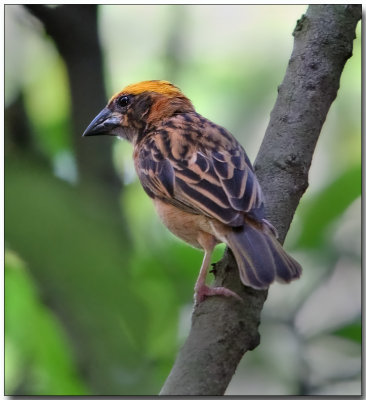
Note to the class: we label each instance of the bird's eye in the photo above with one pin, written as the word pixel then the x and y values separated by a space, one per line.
pixel 123 101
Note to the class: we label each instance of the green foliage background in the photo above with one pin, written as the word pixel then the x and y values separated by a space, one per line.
pixel 91 308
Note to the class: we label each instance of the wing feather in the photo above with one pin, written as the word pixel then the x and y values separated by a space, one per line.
pixel 216 180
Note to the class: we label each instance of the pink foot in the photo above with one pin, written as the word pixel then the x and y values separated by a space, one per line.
pixel 204 291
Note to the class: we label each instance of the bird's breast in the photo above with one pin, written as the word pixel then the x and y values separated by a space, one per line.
pixel 183 224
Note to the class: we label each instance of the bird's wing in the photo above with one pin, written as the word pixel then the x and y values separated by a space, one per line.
pixel 207 179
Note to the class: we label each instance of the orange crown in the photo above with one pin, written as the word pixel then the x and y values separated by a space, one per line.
pixel 162 87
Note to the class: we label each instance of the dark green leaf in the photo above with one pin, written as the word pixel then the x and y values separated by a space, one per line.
pixel 352 331
pixel 329 204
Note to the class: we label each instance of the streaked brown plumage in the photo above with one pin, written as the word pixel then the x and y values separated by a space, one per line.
pixel 200 179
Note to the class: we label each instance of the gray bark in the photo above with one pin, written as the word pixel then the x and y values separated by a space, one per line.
pixel 222 328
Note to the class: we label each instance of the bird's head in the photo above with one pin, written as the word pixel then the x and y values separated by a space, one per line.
pixel 138 106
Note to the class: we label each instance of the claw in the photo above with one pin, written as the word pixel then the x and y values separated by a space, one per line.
pixel 205 291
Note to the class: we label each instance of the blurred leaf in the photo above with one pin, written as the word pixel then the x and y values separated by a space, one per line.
pixel 77 251
pixel 352 331
pixel 327 205
pixel 48 103
pixel 35 341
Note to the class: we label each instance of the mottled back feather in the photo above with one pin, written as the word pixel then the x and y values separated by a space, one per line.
pixel 216 180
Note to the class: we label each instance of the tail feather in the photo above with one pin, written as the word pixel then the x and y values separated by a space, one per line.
pixel 261 258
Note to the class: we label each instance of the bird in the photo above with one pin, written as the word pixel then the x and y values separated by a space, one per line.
pixel 200 180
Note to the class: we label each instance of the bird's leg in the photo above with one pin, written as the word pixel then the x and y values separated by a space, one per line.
pixel 208 243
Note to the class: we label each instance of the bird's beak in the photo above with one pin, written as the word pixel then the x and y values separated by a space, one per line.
pixel 103 124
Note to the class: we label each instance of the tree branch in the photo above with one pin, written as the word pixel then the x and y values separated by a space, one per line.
pixel 222 328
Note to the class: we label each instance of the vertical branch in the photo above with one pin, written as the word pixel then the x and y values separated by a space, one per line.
pixel 222 329
pixel 323 43
pixel 74 29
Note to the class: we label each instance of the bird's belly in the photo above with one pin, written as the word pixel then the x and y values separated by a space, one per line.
pixel 185 225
